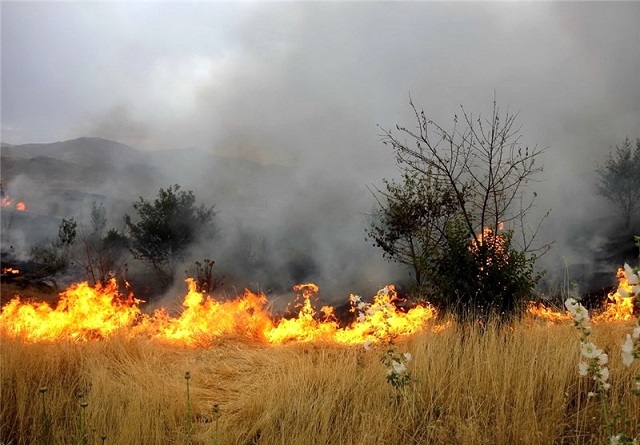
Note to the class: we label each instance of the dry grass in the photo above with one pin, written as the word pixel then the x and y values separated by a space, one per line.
pixel 519 386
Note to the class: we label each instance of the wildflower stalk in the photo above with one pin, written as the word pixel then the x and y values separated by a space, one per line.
pixel 187 377
pixel 594 361
pixel 216 418
pixel 396 362
pixel 83 436
pixel 45 419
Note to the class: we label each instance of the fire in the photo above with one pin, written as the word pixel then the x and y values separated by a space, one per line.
pixel 7 201
pixel 620 303
pixel 91 313
pixel 82 313
pixel 496 243
pixel 541 311
pixel 86 313
pixel 10 270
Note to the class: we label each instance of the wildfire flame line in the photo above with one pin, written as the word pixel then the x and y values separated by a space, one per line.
pixel 88 313
pixel 91 313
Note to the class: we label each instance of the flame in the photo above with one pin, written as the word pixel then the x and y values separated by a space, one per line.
pixel 7 201
pixel 495 242
pixel 618 307
pixel 82 313
pixel 91 313
pixel 86 313
pixel 541 311
pixel 10 270
pixel 620 303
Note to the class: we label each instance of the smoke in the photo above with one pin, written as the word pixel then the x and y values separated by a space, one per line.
pixel 296 91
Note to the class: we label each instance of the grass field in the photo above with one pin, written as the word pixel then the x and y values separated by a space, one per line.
pixel 515 386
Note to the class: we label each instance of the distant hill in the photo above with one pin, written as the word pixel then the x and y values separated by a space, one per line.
pixel 92 167
pixel 81 151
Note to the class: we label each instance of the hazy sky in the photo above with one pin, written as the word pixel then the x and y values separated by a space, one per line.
pixel 306 84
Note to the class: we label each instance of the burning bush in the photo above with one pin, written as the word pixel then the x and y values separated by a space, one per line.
pixel 460 187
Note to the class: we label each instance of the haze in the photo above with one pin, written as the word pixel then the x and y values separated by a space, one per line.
pixel 305 85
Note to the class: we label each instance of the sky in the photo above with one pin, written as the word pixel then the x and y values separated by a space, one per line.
pixel 312 85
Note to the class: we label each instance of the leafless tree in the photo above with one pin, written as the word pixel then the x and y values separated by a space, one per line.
pixel 484 164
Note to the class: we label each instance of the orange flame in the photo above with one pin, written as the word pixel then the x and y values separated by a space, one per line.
pixel 7 201
pixel 82 313
pixel 541 311
pixel 10 270
pixel 620 303
pixel 86 313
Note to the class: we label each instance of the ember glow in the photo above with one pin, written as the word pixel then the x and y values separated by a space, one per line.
pixel 86 313
pixel 8 202
pixel 10 270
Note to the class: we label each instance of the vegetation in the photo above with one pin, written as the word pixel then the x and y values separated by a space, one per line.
pixel 206 282
pixel 619 179
pixel 166 228
pixel 477 390
pixel 445 219
pixel 101 255
pixel 55 257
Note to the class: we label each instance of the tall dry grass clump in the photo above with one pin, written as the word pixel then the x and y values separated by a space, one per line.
pixel 514 385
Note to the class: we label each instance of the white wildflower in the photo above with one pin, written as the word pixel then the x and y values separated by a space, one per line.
pixel 627 351
pixel 627 346
pixel 571 305
pixel 602 375
pixel 583 368
pixel 631 277
pixel 578 311
pixel 407 356
pixel 582 314
pixel 615 440
pixel 591 394
pixel 398 367
pixel 606 386
pixel 367 345
pixel 370 311
pixel 589 350
pixel 602 359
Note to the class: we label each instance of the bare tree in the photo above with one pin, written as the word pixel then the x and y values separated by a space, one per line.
pixel 482 162
pixel 461 187
pixel 619 179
